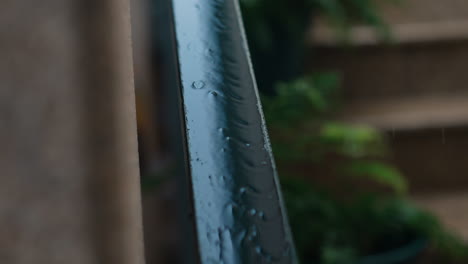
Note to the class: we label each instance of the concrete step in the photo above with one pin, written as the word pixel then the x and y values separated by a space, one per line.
pixel 410 21
pixel 389 71
pixel 450 208
pixel 401 33
pixel 432 159
pixel 410 113
pixel 428 53
pixel 419 11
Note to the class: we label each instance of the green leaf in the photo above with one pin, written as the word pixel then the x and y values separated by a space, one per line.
pixel 380 173
pixel 351 140
pixel 338 255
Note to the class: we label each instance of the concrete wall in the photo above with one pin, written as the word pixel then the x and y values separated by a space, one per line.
pixel 69 189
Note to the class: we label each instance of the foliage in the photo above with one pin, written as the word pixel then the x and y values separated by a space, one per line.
pixel 300 115
pixel 326 228
pixel 332 232
pixel 296 99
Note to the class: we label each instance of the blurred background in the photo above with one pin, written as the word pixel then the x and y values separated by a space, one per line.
pixel 367 110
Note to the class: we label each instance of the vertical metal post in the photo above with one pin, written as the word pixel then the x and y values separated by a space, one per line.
pixel 239 216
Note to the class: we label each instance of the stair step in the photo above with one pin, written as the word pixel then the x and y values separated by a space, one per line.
pixel 451 30
pixel 411 21
pixel 450 208
pixel 416 11
pixel 410 113
pixel 431 58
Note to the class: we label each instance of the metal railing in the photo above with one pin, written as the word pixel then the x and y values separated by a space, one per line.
pixel 233 191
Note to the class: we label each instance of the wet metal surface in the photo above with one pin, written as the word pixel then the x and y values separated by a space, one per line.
pixel 239 213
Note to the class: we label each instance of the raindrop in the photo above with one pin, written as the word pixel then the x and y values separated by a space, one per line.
pixel 213 93
pixel 242 122
pixel 261 215
pixel 252 212
pixel 443 135
pixel 259 250
pixel 228 138
pixel 286 250
pixel 252 233
pixel 242 190
pixel 264 163
pixel 232 208
pixel 247 145
pixel 209 52
pixel 198 84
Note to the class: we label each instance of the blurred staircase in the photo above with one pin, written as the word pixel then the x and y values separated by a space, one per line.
pixel 416 90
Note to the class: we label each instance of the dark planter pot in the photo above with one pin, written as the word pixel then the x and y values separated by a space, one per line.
pixel 403 255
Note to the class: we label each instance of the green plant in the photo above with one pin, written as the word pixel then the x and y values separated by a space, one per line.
pixel 329 229
pixel 300 114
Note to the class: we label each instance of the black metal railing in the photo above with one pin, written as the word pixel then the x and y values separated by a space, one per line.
pixel 233 190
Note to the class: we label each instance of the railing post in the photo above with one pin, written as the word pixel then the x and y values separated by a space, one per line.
pixel 239 216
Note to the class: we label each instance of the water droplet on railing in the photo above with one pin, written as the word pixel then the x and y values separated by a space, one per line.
pixel 261 215
pixel 252 234
pixel 198 84
pixel 209 52
pixel 259 250
pixel 286 250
